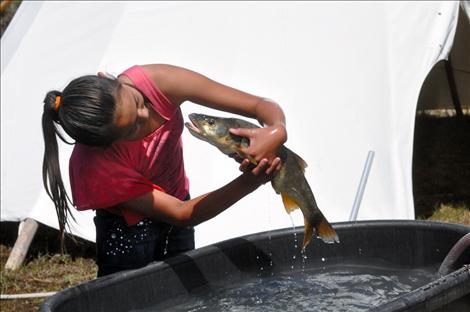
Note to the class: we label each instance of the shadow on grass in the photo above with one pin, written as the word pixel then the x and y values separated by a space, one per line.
pixel 47 241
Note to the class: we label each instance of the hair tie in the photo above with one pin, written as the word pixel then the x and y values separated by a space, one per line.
pixel 57 103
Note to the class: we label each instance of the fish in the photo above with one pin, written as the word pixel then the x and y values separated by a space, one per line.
pixel 289 181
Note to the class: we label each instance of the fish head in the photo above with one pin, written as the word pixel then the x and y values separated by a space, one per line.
pixel 207 128
pixel 214 130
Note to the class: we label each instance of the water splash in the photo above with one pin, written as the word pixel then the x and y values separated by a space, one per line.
pixel 296 246
pixel 303 254
pixel 165 249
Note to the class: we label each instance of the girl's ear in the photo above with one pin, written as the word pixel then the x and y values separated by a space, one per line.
pixel 143 112
pixel 106 75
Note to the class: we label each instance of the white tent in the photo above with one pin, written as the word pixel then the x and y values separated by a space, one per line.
pixel 347 74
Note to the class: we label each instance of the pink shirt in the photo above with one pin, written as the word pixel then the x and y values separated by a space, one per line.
pixel 105 177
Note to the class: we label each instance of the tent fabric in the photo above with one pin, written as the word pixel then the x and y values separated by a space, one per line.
pixel 466 7
pixel 435 94
pixel 347 74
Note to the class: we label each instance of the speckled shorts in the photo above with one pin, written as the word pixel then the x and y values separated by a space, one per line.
pixel 121 247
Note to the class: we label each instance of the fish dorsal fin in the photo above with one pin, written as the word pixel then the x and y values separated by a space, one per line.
pixel 289 204
pixel 302 163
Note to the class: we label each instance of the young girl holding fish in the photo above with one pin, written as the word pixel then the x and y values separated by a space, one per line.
pixel 127 162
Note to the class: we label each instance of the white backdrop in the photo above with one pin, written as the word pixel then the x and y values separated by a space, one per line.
pixel 347 75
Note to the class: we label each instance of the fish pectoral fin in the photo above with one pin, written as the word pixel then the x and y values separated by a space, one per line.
pixel 289 204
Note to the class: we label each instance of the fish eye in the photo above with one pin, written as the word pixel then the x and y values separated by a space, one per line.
pixel 211 122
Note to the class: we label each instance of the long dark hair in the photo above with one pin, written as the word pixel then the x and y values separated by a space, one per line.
pixel 85 111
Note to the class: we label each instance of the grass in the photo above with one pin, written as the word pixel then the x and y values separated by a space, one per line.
pixel 44 269
pixel 43 273
pixel 454 214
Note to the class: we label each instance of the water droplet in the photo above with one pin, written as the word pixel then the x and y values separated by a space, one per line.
pixel 165 250
pixel 292 220
pixel 323 259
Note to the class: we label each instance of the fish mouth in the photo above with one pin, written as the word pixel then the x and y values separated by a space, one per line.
pixel 192 126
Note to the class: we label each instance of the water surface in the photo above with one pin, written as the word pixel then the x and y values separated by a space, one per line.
pixel 331 288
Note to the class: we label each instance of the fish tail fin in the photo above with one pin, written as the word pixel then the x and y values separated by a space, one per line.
pixel 289 204
pixel 323 229
pixel 326 232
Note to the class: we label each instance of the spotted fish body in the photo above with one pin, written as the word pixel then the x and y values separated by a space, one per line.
pixel 290 181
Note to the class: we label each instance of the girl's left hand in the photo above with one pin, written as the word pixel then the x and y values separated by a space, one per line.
pixel 264 144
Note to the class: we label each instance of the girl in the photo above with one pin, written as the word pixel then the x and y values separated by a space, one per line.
pixel 127 163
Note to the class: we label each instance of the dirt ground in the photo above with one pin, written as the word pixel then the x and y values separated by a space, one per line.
pixel 44 269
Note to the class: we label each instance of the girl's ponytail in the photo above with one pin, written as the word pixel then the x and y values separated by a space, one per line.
pixel 85 112
pixel 51 174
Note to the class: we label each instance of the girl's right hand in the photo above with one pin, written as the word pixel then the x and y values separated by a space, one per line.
pixel 262 173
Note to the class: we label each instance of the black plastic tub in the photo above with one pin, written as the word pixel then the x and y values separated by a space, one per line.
pixel 399 246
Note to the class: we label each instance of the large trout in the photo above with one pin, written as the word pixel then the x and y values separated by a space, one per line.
pixel 290 181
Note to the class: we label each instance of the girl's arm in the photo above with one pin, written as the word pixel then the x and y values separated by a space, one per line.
pixel 181 85
pixel 160 206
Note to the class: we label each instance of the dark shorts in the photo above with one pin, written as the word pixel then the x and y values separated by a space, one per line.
pixel 121 247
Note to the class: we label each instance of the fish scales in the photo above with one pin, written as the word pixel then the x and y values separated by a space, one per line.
pixel 290 181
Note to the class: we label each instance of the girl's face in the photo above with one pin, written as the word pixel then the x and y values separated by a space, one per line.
pixel 131 118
